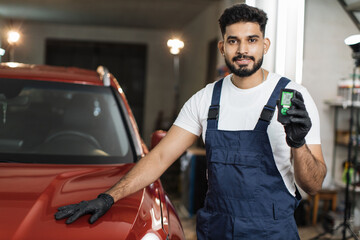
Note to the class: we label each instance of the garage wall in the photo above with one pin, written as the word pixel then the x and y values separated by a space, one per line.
pixel 326 60
pixel 194 59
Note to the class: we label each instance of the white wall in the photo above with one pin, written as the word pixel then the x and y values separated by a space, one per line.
pixel 159 62
pixel 326 60
pixel 285 29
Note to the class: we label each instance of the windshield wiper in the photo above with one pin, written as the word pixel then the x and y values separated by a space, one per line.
pixel 8 161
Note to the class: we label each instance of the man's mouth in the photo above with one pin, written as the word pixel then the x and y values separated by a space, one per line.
pixel 243 60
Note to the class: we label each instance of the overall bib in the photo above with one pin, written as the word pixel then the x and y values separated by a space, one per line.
pixel 246 198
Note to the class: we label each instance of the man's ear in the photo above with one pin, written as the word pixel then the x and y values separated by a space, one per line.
pixel 221 47
pixel 266 45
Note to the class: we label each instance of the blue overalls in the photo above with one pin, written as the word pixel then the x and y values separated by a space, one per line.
pixel 246 198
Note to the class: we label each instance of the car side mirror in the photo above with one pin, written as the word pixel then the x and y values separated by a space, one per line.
pixel 156 137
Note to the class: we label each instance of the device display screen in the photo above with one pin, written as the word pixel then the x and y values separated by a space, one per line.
pixel 286 98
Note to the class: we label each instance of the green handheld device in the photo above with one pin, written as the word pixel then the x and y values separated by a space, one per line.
pixel 284 105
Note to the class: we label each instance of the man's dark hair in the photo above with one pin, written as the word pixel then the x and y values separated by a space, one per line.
pixel 242 13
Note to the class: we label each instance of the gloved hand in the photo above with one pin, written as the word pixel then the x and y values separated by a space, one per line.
pixel 97 207
pixel 300 122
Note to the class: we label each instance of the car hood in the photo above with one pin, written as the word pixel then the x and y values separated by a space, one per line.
pixel 31 193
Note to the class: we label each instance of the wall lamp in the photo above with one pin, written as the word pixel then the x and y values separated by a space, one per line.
pixel 13 38
pixel 175 45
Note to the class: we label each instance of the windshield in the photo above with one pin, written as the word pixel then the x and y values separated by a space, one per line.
pixel 51 122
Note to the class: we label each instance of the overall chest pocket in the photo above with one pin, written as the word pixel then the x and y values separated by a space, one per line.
pixel 234 173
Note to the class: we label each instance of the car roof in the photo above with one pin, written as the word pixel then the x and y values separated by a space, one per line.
pixel 49 73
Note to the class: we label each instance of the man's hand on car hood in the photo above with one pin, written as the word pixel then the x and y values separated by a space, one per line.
pixel 96 207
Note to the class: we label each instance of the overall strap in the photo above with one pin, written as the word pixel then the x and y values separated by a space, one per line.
pixel 269 109
pixel 214 109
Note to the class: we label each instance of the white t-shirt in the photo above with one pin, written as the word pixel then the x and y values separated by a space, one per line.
pixel 240 109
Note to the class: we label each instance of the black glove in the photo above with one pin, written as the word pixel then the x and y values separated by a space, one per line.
pixel 300 122
pixel 97 207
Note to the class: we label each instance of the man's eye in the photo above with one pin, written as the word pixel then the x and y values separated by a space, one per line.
pixel 252 40
pixel 232 41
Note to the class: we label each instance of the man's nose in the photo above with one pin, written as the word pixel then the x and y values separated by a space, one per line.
pixel 242 48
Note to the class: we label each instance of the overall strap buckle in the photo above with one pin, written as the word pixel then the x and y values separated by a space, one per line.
pixel 213 113
pixel 267 113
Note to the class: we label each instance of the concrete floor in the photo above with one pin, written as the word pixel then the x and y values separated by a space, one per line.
pixel 306 233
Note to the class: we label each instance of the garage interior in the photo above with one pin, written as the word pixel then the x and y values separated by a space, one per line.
pixel 130 39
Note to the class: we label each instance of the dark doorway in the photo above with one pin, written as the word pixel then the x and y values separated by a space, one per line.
pixel 212 61
pixel 127 62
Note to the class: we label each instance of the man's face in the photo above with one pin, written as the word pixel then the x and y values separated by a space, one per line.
pixel 243 48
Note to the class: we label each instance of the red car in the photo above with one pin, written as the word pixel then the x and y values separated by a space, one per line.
pixel 66 135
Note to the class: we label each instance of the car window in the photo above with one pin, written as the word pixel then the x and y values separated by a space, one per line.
pixel 54 122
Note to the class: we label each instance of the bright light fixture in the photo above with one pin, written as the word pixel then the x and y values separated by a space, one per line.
pixel 175 45
pixel 353 39
pixel 13 37
pixel 2 52
pixel 353 42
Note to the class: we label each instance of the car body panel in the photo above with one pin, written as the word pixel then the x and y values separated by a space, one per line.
pixel 30 194
pixel 49 73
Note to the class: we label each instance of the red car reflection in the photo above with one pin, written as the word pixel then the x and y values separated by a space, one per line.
pixel 68 134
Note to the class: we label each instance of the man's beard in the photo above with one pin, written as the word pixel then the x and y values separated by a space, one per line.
pixel 243 71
